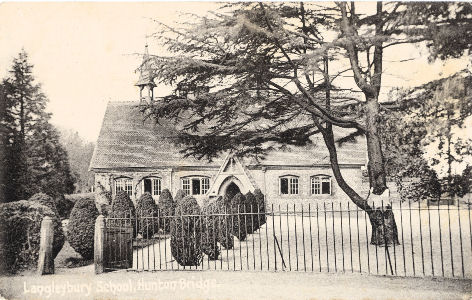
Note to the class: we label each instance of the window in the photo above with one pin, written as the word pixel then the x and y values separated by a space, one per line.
pixel 124 184
pixel 289 185
pixel 195 185
pixel 321 185
pixel 152 186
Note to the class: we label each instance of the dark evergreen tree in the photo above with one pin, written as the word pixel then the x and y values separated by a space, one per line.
pixel 166 209
pixel 34 159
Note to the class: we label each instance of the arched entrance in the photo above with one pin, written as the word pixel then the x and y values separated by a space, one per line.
pixel 231 190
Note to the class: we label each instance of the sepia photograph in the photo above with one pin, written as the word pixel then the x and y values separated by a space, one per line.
pixel 236 150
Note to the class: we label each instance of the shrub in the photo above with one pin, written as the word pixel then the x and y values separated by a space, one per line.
pixel 64 206
pixel 262 207
pixel 185 233
pixel 45 200
pixel 146 210
pixel 239 218
pixel 20 229
pixel 252 222
pixel 123 207
pixel 179 196
pixel 211 228
pixel 81 227
pixel 166 209
pixel 102 202
pixel 225 233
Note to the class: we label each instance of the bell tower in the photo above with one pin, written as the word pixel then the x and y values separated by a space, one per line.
pixel 146 78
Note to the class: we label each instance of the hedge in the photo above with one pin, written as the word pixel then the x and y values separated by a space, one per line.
pixel 225 235
pixel 64 206
pixel 239 218
pixel 262 207
pixel 45 200
pixel 81 227
pixel 185 233
pixel 179 196
pixel 211 229
pixel 252 222
pixel 123 207
pixel 146 211
pixel 20 228
pixel 166 209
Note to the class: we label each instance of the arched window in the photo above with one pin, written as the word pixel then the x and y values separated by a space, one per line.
pixel 124 184
pixel 152 185
pixel 195 185
pixel 321 185
pixel 289 185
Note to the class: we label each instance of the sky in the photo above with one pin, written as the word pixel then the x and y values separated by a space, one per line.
pixel 85 54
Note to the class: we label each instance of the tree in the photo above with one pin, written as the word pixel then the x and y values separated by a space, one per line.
pixel 427 118
pixel 80 153
pixel 34 160
pixel 255 77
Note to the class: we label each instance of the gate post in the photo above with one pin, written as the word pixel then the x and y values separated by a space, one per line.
pixel 46 260
pixel 99 244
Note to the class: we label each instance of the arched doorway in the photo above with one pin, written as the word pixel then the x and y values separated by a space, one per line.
pixel 231 190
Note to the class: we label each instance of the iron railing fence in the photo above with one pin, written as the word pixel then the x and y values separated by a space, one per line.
pixel 321 237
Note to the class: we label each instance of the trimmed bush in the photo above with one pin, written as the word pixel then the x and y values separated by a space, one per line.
pixel 252 223
pixel 166 209
pixel 45 200
pixel 146 210
pixel 185 233
pixel 225 233
pixel 81 227
pixel 179 196
pixel 123 207
pixel 211 227
pixel 103 200
pixel 20 229
pixel 262 207
pixel 64 206
pixel 239 218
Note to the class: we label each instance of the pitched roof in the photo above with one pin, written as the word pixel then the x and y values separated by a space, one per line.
pixel 128 141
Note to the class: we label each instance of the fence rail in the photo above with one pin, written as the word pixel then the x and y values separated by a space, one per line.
pixel 322 237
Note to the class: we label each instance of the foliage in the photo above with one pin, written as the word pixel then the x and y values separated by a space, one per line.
pixel 179 196
pixel 225 233
pixel 427 118
pixel 45 200
pixel 34 160
pixel 64 206
pixel 211 230
pixel 268 76
pixel 261 219
pixel 185 233
pixel 20 234
pixel 103 199
pixel 241 219
pixel 79 153
pixel 123 207
pixel 146 210
pixel 166 209
pixel 252 222
pixel 81 227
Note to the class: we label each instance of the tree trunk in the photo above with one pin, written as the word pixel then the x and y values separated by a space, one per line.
pixel 384 228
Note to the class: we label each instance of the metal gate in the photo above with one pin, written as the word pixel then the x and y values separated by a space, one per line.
pixel 118 250
pixel 325 237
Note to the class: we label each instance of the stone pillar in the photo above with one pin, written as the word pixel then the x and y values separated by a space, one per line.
pixel 46 260
pixel 99 245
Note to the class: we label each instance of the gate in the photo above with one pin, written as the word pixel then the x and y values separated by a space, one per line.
pixel 118 244
pixel 324 237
